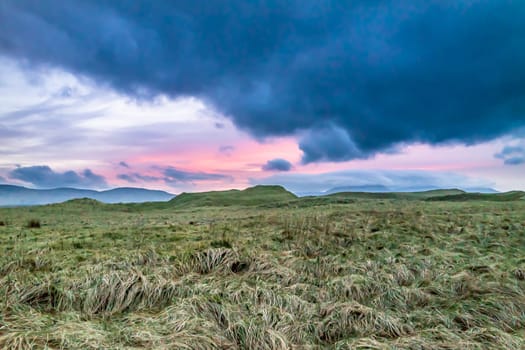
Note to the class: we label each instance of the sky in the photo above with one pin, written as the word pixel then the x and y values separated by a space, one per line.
pixel 311 95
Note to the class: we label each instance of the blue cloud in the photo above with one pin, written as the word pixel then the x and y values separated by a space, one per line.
pixel 384 72
pixel 43 176
pixel 515 160
pixel 227 150
pixel 124 164
pixel 127 177
pixel 173 176
pixel 277 164
pixel 512 155
pixel 135 177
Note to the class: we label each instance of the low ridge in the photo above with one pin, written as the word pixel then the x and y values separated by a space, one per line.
pixel 253 196
pixel 399 195
pixel 493 197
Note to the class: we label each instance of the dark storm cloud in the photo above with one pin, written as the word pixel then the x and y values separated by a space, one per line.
pixel 175 176
pixel 328 143
pixel 277 164
pixel 43 176
pixel 383 72
pixel 512 155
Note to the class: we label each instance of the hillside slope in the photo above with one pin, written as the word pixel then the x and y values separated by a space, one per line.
pixel 398 195
pixel 253 196
pixel 493 197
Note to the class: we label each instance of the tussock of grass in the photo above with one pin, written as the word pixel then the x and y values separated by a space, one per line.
pixel 223 260
pixel 341 320
pixel 33 223
pixel 117 293
pixel 105 294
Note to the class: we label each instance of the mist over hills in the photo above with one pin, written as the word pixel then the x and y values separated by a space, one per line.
pixel 11 195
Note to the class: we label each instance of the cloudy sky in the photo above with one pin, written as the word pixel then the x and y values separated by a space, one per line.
pixel 191 95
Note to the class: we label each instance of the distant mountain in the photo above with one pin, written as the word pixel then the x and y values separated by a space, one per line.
pixel 17 195
pixel 480 190
pixel 384 189
pixel 133 195
pixel 476 196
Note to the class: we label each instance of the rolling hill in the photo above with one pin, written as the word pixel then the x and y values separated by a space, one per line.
pixel 378 188
pixel 398 195
pixel 493 197
pixel 253 196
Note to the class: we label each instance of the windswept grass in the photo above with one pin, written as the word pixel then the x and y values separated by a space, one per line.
pixel 323 274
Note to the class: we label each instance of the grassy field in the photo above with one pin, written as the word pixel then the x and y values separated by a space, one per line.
pixel 265 270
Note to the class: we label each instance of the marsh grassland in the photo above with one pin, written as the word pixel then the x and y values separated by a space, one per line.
pixel 342 272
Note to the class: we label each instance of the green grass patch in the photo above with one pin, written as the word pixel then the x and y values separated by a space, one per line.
pixel 263 269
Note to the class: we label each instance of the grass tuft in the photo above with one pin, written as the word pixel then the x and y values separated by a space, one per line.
pixel 33 223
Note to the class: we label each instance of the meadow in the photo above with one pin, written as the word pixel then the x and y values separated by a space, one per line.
pixel 262 269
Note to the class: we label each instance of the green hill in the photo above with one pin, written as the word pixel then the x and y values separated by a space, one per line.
pixel 493 197
pixel 80 202
pixel 398 195
pixel 439 193
pixel 253 196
